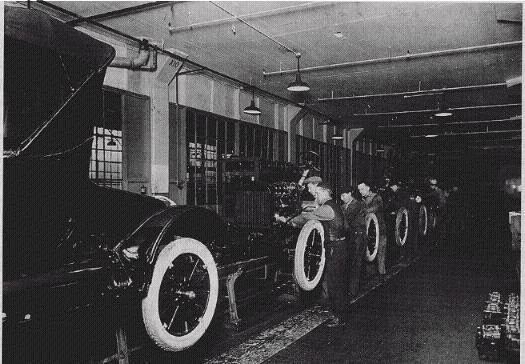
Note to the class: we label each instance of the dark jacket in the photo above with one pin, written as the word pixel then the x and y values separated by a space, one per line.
pixel 332 216
pixel 374 203
pixel 355 214
pixel 336 226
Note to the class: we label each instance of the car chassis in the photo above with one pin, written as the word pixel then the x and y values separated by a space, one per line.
pixel 69 244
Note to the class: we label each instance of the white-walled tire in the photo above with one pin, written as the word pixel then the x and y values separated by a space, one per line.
pixel 423 220
pixel 309 258
pixel 372 234
pixel 182 296
pixel 401 226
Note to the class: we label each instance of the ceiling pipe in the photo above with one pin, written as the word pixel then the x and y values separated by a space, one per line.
pixel 121 12
pixel 472 133
pixel 180 58
pixel 513 82
pixel 483 107
pixel 136 63
pixel 436 110
pixel 456 123
pixel 407 57
pixel 430 92
pixel 257 29
pixel 260 14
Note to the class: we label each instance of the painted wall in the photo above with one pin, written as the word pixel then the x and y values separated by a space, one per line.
pixel 199 91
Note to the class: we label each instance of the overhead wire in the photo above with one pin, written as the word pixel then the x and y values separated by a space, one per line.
pixel 180 58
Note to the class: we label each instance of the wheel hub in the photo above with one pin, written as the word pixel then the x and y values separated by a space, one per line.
pixel 188 294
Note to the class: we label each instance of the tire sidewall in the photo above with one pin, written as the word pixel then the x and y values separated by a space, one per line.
pixel 300 248
pixel 402 213
pixel 369 218
pixel 423 211
pixel 150 304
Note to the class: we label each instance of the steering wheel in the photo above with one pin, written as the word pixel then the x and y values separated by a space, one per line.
pixel 310 160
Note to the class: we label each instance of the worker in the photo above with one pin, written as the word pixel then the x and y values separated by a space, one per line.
pixel 354 212
pixel 374 204
pixel 336 277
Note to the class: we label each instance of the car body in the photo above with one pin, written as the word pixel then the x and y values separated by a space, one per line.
pixel 70 244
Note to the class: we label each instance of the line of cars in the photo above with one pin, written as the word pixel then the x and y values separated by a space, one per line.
pixel 70 245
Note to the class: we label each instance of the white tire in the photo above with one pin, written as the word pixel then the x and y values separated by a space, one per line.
pixel 167 201
pixel 182 296
pixel 401 226
pixel 372 234
pixel 309 258
pixel 423 220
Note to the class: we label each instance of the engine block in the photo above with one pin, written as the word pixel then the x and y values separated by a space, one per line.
pixel 499 334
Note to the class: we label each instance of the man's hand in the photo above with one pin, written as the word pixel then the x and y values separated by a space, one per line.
pixel 280 218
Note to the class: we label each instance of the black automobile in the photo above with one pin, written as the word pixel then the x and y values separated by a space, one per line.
pixel 69 244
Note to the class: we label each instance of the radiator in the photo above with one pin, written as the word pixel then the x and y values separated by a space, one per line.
pixel 253 209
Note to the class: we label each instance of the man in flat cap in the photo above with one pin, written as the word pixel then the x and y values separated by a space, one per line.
pixel 330 213
pixel 311 184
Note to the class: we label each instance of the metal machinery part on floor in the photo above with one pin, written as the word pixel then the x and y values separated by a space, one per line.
pixel 498 337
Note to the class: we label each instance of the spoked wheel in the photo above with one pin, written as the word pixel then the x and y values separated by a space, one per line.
pixel 309 259
pixel 401 226
pixel 372 233
pixel 423 220
pixel 182 295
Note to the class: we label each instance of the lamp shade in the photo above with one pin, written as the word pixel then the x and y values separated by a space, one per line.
pixel 298 85
pixel 442 109
pixel 252 109
pixel 442 114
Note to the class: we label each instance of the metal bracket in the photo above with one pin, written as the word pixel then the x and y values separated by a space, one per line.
pixel 235 321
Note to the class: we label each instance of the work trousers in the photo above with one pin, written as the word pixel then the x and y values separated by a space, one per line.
pixel 337 276
pixel 356 246
pixel 381 254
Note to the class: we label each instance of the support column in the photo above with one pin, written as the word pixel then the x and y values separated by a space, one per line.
pixel 159 138
pixel 352 136
pixel 160 127
pixel 293 117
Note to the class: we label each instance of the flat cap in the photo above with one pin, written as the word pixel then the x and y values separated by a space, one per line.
pixel 325 186
pixel 313 179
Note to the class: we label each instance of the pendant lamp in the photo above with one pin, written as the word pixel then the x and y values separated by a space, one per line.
pixel 252 109
pixel 298 85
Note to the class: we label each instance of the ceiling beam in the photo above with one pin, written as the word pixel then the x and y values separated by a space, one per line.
pixel 121 12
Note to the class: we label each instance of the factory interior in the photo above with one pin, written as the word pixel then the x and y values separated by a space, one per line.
pixel 168 167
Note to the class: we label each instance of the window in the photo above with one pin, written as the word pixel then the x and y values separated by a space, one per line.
pixel 106 152
pixel 330 158
pixel 211 138
pixel 207 139
pixel 256 141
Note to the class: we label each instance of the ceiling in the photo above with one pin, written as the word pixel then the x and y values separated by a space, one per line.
pixel 384 66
